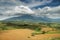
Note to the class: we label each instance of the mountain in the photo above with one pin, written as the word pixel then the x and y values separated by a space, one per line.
pixel 27 17
pixel 56 20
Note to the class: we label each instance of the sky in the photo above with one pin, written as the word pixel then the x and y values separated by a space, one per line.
pixel 38 8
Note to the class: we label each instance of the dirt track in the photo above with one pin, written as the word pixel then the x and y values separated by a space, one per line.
pixel 24 34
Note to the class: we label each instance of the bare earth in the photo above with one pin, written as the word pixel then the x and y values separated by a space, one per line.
pixel 24 34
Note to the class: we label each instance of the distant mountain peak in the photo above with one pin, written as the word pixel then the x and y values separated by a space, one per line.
pixel 28 17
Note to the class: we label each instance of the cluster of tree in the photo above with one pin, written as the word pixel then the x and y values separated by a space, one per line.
pixel 29 25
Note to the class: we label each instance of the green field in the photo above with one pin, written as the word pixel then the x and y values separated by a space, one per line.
pixel 38 27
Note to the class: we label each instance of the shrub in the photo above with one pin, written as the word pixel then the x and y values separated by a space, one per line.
pixel 55 39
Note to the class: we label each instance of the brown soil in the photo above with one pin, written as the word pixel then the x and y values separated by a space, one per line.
pixel 24 34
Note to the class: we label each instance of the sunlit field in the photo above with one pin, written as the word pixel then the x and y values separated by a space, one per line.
pixel 17 30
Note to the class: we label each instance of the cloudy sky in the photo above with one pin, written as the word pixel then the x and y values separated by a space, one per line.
pixel 38 8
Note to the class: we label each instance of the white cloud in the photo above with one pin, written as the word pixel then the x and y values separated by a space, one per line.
pixel 50 12
pixel 53 16
pixel 8 11
pixel 16 11
pixel 19 10
pixel 6 17
pixel 23 9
